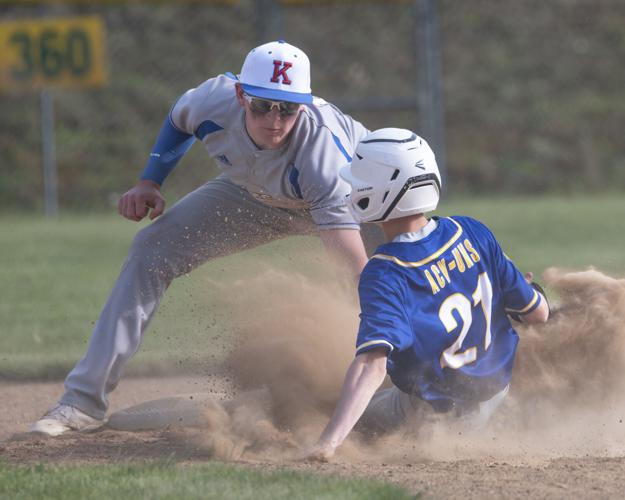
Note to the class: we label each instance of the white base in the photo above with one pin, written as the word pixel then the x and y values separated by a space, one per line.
pixel 184 411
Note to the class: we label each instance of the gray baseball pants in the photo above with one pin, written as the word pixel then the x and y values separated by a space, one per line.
pixel 215 220
pixel 390 408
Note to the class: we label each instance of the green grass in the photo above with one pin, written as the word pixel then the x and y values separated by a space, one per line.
pixel 560 231
pixel 167 481
pixel 56 275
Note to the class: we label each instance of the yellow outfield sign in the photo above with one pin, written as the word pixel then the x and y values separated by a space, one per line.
pixel 309 2
pixel 61 52
pixel 114 2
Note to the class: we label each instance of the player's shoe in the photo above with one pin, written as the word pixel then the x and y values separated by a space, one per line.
pixel 63 418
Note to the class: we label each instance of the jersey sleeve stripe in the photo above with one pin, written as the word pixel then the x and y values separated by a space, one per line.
pixel 422 262
pixel 371 343
pixel 534 302
pixel 294 180
pixel 205 128
pixel 337 141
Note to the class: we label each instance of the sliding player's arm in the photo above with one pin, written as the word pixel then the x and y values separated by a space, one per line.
pixel 541 313
pixel 364 376
pixel 525 300
pixel 384 327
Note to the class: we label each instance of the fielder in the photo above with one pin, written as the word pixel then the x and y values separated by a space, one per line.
pixel 279 151
pixel 434 300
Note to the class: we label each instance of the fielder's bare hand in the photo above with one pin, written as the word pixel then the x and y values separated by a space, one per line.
pixel 137 202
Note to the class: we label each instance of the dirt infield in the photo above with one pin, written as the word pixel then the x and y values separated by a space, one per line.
pixel 491 476
pixel 560 434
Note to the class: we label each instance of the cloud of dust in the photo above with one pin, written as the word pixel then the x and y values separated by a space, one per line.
pixel 298 337
pixel 297 343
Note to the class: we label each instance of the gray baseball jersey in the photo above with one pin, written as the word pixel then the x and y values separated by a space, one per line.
pixel 302 174
pixel 225 215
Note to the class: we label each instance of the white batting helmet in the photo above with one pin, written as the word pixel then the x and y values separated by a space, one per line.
pixel 393 174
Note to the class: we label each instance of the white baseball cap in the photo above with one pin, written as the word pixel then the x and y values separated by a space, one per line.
pixel 277 71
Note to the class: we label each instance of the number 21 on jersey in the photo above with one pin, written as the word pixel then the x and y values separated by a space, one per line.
pixel 453 356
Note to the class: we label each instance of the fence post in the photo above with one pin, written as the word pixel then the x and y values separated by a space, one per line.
pixel 48 150
pixel 268 21
pixel 431 121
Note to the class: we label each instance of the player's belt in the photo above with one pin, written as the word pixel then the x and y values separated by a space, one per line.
pixel 488 406
pixel 464 408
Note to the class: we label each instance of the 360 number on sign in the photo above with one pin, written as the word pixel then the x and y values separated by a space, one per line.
pixel 67 52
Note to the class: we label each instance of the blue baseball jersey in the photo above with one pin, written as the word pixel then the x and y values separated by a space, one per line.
pixel 440 305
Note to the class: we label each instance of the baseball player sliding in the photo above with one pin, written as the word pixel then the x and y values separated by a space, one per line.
pixel 279 151
pixel 434 300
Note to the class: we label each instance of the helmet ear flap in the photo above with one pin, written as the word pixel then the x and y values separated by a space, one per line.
pixel 363 203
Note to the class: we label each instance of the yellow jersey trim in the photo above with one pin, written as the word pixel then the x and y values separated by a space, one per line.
pixel 374 342
pixel 527 307
pixel 422 262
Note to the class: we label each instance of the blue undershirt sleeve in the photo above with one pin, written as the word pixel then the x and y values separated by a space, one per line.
pixel 171 145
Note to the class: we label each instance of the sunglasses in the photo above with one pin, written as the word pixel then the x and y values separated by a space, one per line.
pixel 264 106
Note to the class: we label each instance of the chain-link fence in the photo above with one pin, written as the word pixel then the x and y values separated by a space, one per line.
pixel 532 90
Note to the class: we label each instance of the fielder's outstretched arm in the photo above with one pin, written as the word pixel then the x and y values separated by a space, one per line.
pixel 137 201
pixel 171 145
pixel 364 376
pixel 345 248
